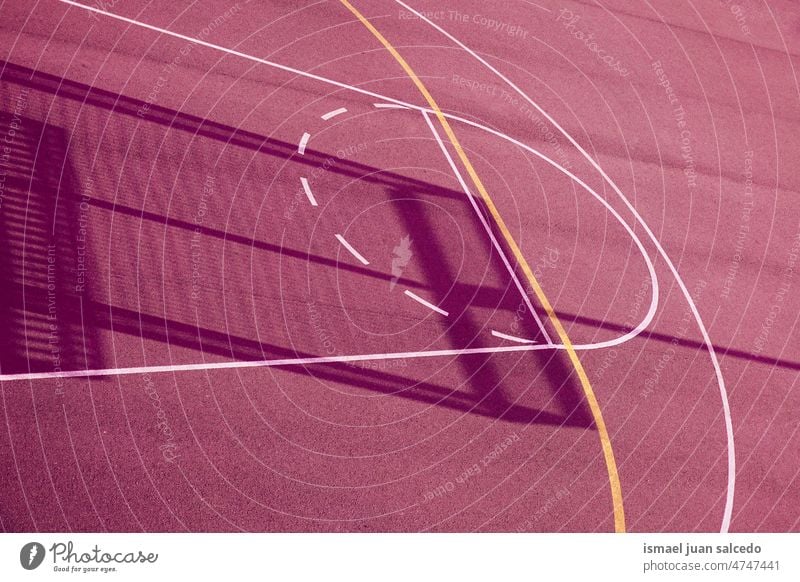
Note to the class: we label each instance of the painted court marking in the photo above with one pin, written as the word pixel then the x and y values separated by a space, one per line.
pixel 511 338
pixel 419 299
pixel 731 482
pixel 334 113
pixel 389 106
pixel 473 201
pixel 307 190
pixel 267 363
pixel 301 147
pixel 391 100
pixel 393 103
pixel 353 251
pixel 588 392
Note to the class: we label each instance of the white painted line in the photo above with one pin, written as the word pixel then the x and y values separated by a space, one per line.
pixel 419 299
pixel 301 147
pixel 334 113
pixel 267 363
pixel 238 53
pixel 391 101
pixel 353 251
pixel 651 311
pixel 512 338
pixel 274 363
pixel 309 193
pixel 731 477
pixel 487 228
pixel 389 106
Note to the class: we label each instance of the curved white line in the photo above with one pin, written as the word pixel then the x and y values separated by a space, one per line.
pixel 334 113
pixel 307 190
pixel 427 304
pixel 352 250
pixel 301 147
pixel 726 519
pixel 389 106
pixel 396 103
pixel 391 103
pixel 651 311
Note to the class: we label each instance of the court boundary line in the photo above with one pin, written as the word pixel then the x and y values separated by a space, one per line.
pixel 267 363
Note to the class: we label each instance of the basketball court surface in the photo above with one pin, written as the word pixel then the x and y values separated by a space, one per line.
pixel 388 266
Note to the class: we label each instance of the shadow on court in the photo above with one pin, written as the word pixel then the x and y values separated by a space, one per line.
pixel 51 318
pixel 43 256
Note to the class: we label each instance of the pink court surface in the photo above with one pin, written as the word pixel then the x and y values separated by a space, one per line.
pixel 388 266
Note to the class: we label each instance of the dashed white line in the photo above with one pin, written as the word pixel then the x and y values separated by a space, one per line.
pixel 420 300
pixel 389 106
pixel 353 251
pixel 334 113
pixel 393 103
pixel 512 338
pixel 301 147
pixel 307 190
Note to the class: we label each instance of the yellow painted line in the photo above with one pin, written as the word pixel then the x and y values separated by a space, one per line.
pixel 605 441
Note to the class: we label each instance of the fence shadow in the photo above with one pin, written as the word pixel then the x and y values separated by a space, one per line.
pixel 42 257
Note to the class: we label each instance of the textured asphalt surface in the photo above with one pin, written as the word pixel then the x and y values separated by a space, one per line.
pixel 153 214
